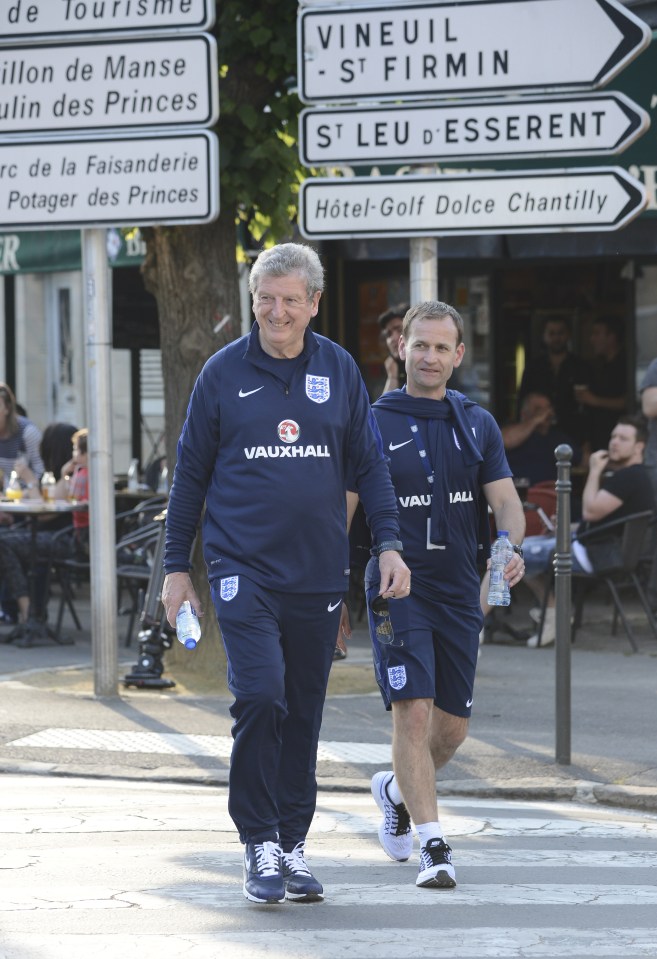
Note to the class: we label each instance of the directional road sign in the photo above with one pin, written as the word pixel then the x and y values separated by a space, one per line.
pixel 120 181
pixel 597 123
pixel 32 18
pixel 543 201
pixel 425 50
pixel 120 83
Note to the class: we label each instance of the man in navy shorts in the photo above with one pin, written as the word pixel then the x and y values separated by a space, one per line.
pixel 448 466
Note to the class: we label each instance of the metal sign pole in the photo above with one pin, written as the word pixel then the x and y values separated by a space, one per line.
pixel 423 257
pixel 98 345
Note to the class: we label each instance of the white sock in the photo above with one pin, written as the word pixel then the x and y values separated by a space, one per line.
pixel 427 831
pixel 393 792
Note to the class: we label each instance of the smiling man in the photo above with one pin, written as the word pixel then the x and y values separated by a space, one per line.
pixel 447 465
pixel 273 420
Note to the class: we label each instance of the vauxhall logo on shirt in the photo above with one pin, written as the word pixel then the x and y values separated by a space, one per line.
pixel 289 432
pixel 460 496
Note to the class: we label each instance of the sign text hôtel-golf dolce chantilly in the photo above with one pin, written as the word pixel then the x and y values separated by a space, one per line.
pixel 428 51
pixel 66 159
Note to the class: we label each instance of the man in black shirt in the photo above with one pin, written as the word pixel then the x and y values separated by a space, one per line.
pixel 618 484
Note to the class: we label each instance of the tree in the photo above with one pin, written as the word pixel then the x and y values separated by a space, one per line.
pixel 193 271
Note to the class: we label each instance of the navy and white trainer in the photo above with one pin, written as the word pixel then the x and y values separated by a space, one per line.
pixel 263 876
pixel 395 834
pixel 300 884
pixel 436 869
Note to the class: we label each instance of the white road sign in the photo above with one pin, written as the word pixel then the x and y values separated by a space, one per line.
pixel 74 183
pixel 543 201
pixel 121 83
pixel 597 123
pixel 444 48
pixel 32 18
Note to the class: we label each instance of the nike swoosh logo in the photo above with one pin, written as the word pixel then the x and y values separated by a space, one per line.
pixel 248 392
pixel 396 446
pixel 469 703
pixel 334 606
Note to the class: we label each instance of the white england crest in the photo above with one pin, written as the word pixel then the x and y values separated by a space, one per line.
pixel 228 587
pixel 397 676
pixel 318 388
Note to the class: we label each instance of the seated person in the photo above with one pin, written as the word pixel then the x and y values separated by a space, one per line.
pixel 19 441
pixel 16 545
pixel 530 443
pixel 617 485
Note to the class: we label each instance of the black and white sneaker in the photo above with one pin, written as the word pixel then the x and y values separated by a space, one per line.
pixel 263 877
pixel 300 884
pixel 395 834
pixel 436 869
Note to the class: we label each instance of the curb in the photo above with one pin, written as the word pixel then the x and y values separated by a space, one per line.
pixel 639 798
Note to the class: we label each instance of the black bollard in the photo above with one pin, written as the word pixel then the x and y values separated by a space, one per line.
pixel 563 565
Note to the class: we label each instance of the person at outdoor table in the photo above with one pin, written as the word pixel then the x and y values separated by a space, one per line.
pixel 604 396
pixel 555 372
pixel 19 439
pixel 59 440
pixel 618 484
pixel 530 443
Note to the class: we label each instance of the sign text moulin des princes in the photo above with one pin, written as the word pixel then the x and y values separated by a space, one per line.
pixel 86 86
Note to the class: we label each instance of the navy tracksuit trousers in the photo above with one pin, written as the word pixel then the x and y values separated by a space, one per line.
pixel 279 648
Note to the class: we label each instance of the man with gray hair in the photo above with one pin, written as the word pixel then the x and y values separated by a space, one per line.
pixel 273 421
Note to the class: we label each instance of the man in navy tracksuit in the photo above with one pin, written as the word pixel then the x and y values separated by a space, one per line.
pixel 273 420
pixel 448 467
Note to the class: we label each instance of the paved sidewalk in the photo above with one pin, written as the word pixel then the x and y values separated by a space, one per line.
pixel 166 736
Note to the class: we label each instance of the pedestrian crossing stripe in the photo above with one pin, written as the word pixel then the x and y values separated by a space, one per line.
pixel 182 744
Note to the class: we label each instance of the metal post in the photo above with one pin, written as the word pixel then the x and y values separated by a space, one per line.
pixel 423 254
pixel 102 536
pixel 562 587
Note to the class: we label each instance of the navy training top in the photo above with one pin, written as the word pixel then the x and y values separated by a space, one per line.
pixel 265 445
pixel 441 573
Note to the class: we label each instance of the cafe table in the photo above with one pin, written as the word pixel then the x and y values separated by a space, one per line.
pixel 35 631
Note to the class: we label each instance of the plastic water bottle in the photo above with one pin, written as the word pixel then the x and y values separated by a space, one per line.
pixel 188 628
pixel 501 552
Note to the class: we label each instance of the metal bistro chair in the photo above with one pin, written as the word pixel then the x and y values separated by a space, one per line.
pixel 615 560
pixel 134 567
pixel 71 572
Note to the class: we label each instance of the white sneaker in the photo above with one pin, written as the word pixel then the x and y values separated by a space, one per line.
pixel 549 633
pixel 395 834
pixel 436 867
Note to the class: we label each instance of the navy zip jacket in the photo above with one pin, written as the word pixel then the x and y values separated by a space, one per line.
pixel 265 445
pixel 444 523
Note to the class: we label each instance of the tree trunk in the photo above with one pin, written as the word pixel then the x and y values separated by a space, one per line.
pixel 192 273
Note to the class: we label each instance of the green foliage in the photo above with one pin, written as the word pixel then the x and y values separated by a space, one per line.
pixel 259 164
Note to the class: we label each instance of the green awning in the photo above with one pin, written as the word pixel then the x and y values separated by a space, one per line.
pixel 57 251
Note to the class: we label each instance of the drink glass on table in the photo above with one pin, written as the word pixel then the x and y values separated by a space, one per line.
pixel 48 487
pixel 14 491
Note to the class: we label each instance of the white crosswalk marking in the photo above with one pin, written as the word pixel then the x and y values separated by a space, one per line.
pixel 146 870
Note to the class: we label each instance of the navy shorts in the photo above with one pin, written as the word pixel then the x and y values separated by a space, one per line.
pixel 438 660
